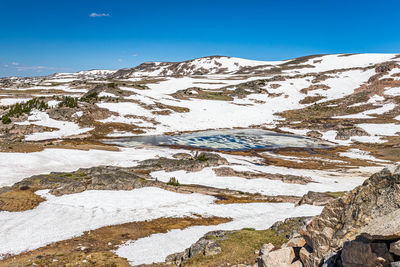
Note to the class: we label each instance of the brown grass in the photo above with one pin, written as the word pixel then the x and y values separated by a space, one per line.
pixel 19 200
pixel 95 247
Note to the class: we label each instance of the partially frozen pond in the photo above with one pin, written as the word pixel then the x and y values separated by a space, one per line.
pixel 227 140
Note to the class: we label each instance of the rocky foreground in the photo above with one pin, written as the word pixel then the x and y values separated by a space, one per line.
pixel 361 228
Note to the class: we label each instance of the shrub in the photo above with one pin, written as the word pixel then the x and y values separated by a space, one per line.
pixel 67 101
pixel 5 119
pixel 90 96
pixel 201 157
pixel 173 181
pixel 20 108
pixel 111 85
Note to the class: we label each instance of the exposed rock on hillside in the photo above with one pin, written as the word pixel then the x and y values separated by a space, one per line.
pixel 317 198
pixel 291 179
pixel 358 226
pixel 219 246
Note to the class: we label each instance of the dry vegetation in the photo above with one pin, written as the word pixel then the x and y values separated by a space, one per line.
pixel 94 248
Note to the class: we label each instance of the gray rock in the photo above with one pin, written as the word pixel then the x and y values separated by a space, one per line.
pixel 277 258
pixel 386 227
pixel 316 198
pixel 346 133
pixel 344 218
pixel 212 248
pixel 306 256
pixel 395 248
pixel 359 253
pixel 395 264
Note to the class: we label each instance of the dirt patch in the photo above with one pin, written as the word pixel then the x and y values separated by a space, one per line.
pixel 311 99
pixel 19 200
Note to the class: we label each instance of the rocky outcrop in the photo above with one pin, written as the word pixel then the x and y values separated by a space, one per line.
pixel 361 253
pixel 358 228
pixel 291 179
pixel 346 133
pixel 316 198
pixel 208 245
pixel 116 178
pixel 289 253
pixel 314 134
pixel 182 162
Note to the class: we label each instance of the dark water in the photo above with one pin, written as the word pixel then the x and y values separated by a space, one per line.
pixel 226 140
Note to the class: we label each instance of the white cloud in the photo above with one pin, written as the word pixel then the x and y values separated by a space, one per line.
pixel 134 55
pixel 37 68
pixel 95 15
pixel 6 65
pixel 15 63
pixel 119 60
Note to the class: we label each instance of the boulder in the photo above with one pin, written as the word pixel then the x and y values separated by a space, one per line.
pixel 306 256
pixel 277 258
pixel 316 198
pixel 386 227
pixel 395 248
pixel 359 253
pixel 212 248
pixel 346 133
pixel 295 242
pixel 344 218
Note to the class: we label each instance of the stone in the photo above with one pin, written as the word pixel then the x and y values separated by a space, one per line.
pixel 395 264
pixel 345 218
pixel 314 134
pixel 359 253
pixel 212 248
pixel 296 225
pixel 306 256
pixel 266 248
pixel 332 260
pixel 316 198
pixel 296 264
pixel 386 227
pixel 346 133
pixel 286 178
pixel 395 248
pixel 277 258
pixel 295 242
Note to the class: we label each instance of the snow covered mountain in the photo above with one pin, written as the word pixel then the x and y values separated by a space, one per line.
pixel 331 121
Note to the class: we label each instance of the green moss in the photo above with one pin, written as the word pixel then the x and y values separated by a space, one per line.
pixel 336 194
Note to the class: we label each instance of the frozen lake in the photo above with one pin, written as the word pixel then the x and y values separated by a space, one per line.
pixel 226 140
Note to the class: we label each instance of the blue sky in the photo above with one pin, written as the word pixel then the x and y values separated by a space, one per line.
pixel 39 37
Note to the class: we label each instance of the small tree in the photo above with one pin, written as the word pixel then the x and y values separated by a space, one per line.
pixel 5 119
pixel 173 181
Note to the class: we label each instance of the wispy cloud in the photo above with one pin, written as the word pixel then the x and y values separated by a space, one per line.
pixel 5 65
pixel 15 63
pixel 134 55
pixel 34 68
pixel 95 15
